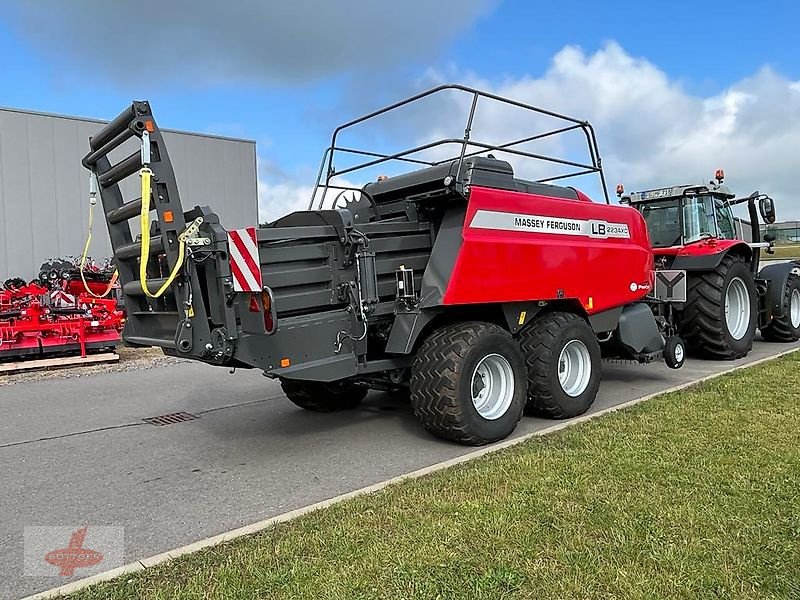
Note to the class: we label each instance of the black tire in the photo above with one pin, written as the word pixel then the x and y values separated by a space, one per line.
pixel 781 329
pixel 702 321
pixel 318 396
pixel 674 352
pixel 442 378
pixel 542 342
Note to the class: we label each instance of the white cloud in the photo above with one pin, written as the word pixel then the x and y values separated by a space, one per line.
pixel 278 199
pixel 279 195
pixel 651 131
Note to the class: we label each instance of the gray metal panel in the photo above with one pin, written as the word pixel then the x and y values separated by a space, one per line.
pixel 44 189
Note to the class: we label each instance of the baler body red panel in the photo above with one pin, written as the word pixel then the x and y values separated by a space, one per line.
pixel 523 247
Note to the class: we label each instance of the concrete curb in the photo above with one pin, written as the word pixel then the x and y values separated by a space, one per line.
pixel 152 561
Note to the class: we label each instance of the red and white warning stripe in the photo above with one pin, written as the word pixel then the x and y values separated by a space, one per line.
pixel 245 264
pixel 61 299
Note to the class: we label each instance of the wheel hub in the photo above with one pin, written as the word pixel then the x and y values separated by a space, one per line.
pixel 574 368
pixel 679 353
pixel 737 308
pixel 492 386
pixel 794 308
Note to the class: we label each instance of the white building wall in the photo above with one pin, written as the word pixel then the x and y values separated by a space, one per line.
pixel 44 188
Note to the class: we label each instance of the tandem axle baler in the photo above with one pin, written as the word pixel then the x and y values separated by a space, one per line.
pixel 482 293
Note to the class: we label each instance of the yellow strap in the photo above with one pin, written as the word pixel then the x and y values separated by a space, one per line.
pixel 85 256
pixel 144 221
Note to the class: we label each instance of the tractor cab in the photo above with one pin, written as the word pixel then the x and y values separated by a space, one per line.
pixel 683 215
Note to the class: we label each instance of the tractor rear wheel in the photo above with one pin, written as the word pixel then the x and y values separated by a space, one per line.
pixel 720 316
pixel 787 327
pixel 563 359
pixel 468 383
pixel 321 396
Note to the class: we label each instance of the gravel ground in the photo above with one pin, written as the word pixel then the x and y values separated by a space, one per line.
pixel 130 359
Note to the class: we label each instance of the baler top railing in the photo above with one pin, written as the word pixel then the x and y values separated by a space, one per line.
pixel 327 170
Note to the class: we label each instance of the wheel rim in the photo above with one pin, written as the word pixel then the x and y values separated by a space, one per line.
pixel 574 368
pixel 492 386
pixel 737 308
pixel 679 353
pixel 794 308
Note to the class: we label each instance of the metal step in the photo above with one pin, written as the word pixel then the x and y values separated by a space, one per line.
pixel 149 341
pixel 155 313
pixel 134 288
pixel 121 170
pixel 126 211
pixel 133 250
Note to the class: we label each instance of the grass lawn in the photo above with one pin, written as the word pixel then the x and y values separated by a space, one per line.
pixel 691 495
pixel 783 252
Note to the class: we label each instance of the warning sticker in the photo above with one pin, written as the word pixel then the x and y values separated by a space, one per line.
pixel 507 221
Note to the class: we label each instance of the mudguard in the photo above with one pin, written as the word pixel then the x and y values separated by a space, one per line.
pixel 638 330
pixel 776 277
pixel 706 256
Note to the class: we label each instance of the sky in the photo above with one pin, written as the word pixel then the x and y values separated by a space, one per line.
pixel 674 89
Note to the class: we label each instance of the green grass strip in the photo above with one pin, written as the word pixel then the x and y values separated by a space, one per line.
pixel 783 252
pixel 691 495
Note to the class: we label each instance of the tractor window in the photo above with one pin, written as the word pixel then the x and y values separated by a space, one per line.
pixel 698 218
pixel 727 230
pixel 663 223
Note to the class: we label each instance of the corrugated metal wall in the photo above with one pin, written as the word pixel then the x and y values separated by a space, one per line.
pixel 44 189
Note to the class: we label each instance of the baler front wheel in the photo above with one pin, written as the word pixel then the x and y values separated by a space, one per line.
pixel 563 359
pixel 468 383
pixel 320 396
pixel 787 327
pixel 719 318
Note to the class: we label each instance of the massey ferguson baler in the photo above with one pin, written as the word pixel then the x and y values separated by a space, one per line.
pixel 483 293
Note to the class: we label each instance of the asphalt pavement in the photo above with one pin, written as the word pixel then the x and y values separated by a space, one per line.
pixel 77 451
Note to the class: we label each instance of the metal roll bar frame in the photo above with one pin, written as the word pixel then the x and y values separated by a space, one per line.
pixel 327 167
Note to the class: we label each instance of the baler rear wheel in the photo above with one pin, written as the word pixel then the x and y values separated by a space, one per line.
pixel 787 327
pixel 719 318
pixel 318 396
pixel 563 359
pixel 468 383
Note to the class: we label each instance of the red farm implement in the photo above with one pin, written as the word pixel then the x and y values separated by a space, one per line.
pixel 56 318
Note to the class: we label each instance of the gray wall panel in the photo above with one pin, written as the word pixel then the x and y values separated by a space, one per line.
pixel 17 225
pixel 44 189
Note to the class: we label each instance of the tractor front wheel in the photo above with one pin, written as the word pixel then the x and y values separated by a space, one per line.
pixel 468 383
pixel 318 396
pixel 787 327
pixel 719 318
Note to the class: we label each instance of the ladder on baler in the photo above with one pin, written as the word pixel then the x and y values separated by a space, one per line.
pixel 150 321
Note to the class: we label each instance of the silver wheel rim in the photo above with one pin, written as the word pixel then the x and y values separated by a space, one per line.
pixel 737 308
pixel 679 353
pixel 794 308
pixel 574 368
pixel 492 386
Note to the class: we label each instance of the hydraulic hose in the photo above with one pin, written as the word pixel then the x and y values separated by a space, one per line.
pixel 144 221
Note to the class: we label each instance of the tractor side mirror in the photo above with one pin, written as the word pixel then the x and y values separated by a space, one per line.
pixel 767 209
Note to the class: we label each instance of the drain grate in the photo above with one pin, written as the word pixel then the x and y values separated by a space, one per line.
pixel 170 419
